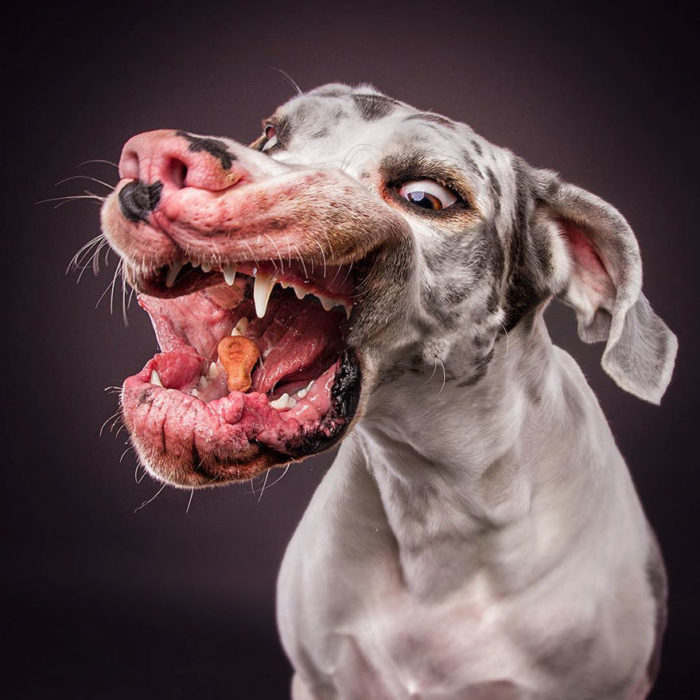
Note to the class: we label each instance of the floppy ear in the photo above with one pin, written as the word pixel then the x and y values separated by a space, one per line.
pixel 603 284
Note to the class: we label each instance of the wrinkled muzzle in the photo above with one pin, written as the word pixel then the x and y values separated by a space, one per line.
pixel 270 288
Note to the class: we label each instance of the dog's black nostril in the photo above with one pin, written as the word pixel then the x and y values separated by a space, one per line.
pixel 138 200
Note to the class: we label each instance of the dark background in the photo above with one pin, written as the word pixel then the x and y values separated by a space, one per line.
pixel 105 602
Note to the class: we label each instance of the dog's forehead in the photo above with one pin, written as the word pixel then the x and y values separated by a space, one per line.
pixel 355 125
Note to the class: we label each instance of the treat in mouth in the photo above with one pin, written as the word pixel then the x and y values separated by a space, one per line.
pixel 254 369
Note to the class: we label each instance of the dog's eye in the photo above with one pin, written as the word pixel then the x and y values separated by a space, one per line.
pixel 427 194
pixel 271 138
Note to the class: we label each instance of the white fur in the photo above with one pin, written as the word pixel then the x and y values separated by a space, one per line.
pixel 489 549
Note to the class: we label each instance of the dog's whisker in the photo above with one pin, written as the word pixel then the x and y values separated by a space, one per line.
pixel 278 479
pixel 189 502
pixel 151 499
pixel 86 177
pixel 114 416
pixel 70 198
pixel 97 160
pixel 138 479
pixel 262 490
pixel 289 79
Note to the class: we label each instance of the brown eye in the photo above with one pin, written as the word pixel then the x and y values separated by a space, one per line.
pixel 271 138
pixel 427 194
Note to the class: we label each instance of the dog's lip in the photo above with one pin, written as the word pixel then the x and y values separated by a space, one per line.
pixel 217 441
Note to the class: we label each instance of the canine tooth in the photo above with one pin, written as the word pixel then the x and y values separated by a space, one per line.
pixel 348 310
pixel 203 382
pixel 173 272
pixel 299 291
pixel 241 327
pixel 155 379
pixel 194 264
pixel 326 303
pixel 261 292
pixel 206 267
pixel 213 372
pixel 283 402
pixel 229 274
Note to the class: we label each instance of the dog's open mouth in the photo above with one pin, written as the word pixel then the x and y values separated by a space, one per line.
pixel 254 368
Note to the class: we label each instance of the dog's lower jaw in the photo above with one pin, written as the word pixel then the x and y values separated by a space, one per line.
pixel 469 539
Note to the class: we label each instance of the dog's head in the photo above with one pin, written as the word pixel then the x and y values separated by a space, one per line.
pixel 356 240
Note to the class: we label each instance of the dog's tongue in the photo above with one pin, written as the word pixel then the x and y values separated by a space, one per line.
pixel 296 339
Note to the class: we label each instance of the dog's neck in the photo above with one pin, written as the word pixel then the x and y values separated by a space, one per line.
pixel 462 473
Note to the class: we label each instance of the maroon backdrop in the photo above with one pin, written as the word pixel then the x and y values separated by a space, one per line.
pixel 105 602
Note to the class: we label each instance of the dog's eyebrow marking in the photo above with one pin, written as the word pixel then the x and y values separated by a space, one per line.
pixel 471 163
pixel 432 118
pixel 214 147
pixel 373 107
pixel 496 191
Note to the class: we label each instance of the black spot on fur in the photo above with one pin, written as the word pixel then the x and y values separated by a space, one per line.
pixel 496 192
pixel 492 302
pixel 320 133
pixel 373 107
pixel 480 367
pixel 213 147
pixel 477 147
pixel 471 163
pixel 145 397
pixel 526 287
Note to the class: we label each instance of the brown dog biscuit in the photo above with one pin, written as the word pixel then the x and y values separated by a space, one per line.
pixel 238 356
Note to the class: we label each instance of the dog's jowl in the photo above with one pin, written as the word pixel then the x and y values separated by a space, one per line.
pixel 372 275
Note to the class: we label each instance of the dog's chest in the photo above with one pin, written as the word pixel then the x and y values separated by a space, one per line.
pixel 410 649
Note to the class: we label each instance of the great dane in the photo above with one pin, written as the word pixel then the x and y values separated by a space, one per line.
pixel 376 274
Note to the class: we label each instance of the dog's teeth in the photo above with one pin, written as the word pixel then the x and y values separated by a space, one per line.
pixel 241 327
pixel 194 264
pixel 229 274
pixel 173 272
pixel 348 310
pixel 283 402
pixel 326 302
pixel 213 372
pixel 203 382
pixel 261 292
pixel 303 392
pixel 194 393
pixel 155 379
pixel 299 291
pixel 206 267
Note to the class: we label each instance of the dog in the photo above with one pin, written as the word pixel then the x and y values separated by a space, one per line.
pixel 376 275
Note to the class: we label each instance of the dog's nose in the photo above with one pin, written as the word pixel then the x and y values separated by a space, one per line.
pixel 165 160
pixel 138 200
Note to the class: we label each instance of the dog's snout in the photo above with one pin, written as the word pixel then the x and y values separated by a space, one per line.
pixel 175 159
pixel 137 199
